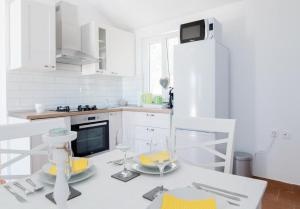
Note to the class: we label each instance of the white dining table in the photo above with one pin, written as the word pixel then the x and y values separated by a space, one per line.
pixel 104 192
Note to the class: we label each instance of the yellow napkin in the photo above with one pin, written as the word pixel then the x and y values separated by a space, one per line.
pixel 171 202
pixel 151 158
pixel 78 165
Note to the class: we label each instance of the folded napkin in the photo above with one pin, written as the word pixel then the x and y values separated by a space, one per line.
pixel 150 159
pixel 78 165
pixel 172 202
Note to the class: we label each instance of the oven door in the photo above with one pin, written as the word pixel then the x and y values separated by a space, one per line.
pixel 91 138
pixel 193 31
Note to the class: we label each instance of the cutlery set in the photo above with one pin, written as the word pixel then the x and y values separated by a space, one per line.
pixel 232 198
pixel 10 187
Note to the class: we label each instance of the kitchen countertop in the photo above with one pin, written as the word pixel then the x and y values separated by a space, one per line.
pixel 31 115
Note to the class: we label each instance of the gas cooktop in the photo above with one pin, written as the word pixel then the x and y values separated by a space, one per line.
pixel 80 108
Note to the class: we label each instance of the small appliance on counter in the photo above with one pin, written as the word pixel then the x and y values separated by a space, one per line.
pixel 171 98
pixel 200 30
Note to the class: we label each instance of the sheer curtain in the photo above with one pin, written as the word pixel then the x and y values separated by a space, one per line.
pixel 3 110
pixel 3 59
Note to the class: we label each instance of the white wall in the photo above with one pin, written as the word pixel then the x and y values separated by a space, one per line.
pixel 66 86
pixel 277 73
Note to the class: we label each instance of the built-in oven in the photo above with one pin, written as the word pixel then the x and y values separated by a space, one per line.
pixel 92 134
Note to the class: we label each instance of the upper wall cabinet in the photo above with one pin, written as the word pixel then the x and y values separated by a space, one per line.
pixel 121 52
pixel 115 49
pixel 32 35
pixel 93 41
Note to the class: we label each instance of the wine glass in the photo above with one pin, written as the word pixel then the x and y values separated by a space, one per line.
pixel 124 147
pixel 163 163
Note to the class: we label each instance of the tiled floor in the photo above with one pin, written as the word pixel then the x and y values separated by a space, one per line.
pixel 281 196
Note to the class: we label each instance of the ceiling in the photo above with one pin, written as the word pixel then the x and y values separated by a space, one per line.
pixel 132 14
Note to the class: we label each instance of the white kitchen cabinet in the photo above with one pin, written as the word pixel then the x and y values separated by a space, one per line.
pixel 145 131
pixel 115 128
pixel 94 42
pixel 32 38
pixel 149 139
pixel 115 49
pixel 159 120
pixel 120 52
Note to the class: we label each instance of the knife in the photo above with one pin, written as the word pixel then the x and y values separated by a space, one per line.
pixel 220 190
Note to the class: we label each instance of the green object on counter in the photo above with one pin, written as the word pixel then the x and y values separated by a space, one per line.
pixel 158 100
pixel 147 98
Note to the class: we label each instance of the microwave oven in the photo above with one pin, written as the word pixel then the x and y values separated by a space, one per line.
pixel 199 30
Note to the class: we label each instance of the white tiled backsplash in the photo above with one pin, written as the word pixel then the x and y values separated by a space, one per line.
pixel 132 87
pixel 61 87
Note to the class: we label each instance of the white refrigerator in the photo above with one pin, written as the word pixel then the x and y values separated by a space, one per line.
pixel 201 89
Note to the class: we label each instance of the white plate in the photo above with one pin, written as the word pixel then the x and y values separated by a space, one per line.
pixel 153 171
pixel 47 167
pixel 188 193
pixel 48 179
pixel 137 160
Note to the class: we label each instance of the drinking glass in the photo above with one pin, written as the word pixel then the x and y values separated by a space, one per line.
pixel 162 164
pixel 124 147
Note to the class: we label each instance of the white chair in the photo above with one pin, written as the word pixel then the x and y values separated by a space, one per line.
pixel 26 130
pixel 207 125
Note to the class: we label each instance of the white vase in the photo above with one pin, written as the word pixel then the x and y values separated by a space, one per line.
pixel 61 189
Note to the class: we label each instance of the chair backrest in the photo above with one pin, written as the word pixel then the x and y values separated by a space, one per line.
pixel 26 130
pixel 208 125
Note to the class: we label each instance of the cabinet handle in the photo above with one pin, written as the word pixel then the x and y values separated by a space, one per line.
pixel 53 66
pixel 46 66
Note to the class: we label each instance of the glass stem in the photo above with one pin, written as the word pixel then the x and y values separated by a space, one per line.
pixel 125 161
pixel 161 174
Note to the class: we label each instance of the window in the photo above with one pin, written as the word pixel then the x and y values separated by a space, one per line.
pixel 159 62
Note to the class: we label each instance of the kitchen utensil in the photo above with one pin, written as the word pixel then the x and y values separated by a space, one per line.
pixel 35 186
pixel 220 190
pixel 119 161
pixel 21 187
pixel 188 193
pixel 16 195
pixel 217 193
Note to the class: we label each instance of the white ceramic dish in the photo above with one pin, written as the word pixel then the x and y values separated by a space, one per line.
pixel 153 171
pixel 137 160
pixel 48 179
pixel 47 167
pixel 188 193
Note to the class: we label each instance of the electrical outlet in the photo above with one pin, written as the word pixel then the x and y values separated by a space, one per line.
pixel 285 135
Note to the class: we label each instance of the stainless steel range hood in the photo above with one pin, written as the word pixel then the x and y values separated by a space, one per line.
pixel 68 36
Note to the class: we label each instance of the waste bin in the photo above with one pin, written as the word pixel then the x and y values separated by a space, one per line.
pixel 242 164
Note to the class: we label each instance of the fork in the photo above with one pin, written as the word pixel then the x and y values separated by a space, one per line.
pixel 17 196
pixel 24 189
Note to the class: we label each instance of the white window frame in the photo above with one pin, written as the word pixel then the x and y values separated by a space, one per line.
pixel 146 56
